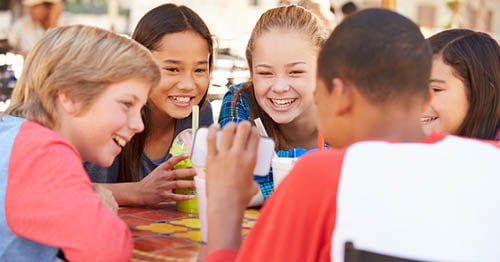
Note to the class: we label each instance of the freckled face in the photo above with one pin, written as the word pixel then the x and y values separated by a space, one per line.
pixel 449 103
pixel 284 75
pixel 183 57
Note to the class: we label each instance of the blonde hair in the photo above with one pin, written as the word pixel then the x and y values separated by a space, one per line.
pixel 82 61
pixel 284 19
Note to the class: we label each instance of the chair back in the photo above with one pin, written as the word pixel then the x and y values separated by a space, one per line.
pixel 352 254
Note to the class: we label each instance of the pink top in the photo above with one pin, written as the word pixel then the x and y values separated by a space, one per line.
pixel 49 199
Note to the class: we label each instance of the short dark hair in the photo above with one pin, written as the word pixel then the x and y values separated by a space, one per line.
pixel 475 59
pixel 382 52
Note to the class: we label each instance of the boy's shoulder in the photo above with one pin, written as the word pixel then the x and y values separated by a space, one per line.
pixel 495 143
pixel 24 143
pixel 430 142
pixel 379 150
pixel 29 135
pixel 474 141
pixel 36 132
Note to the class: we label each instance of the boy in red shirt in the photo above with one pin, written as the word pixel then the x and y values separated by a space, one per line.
pixel 386 186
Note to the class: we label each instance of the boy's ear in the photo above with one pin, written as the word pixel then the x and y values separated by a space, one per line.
pixel 342 92
pixel 69 105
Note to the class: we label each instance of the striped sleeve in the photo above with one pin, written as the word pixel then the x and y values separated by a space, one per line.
pixel 241 112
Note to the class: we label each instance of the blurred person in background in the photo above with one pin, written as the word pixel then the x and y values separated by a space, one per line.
pixel 27 30
pixel 320 8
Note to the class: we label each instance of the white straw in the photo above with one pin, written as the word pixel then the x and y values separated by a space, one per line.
pixel 260 126
pixel 195 119
pixel 262 129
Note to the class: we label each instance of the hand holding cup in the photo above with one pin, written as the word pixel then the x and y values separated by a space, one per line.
pixel 229 181
pixel 159 184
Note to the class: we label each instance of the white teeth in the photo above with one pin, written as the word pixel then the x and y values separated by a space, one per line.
pixel 427 119
pixel 281 102
pixel 181 99
pixel 120 141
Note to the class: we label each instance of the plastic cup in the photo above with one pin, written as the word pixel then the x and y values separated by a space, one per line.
pixel 190 205
pixel 181 145
pixel 201 194
pixel 281 167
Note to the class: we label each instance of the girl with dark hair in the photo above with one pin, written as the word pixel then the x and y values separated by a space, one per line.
pixel 465 83
pixel 183 47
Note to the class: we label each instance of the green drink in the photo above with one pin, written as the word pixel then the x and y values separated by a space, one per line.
pixel 182 145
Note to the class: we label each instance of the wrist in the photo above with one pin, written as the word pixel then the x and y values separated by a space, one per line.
pixel 126 194
pixel 136 196
pixel 224 224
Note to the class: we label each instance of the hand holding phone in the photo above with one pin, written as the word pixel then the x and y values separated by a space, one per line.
pixel 264 156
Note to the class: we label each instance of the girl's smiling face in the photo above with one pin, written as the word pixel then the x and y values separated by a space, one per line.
pixel 449 103
pixel 184 60
pixel 284 74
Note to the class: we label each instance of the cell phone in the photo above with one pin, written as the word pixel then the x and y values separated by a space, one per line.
pixel 264 156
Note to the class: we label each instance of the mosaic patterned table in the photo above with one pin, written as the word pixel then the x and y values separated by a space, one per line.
pixel 163 234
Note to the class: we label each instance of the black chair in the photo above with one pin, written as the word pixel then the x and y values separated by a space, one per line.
pixel 352 254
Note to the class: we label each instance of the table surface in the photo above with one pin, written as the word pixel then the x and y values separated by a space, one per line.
pixel 163 234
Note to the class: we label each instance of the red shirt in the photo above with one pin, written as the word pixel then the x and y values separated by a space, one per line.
pixel 301 219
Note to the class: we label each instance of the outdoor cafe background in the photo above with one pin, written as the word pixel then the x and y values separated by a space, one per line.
pixel 232 20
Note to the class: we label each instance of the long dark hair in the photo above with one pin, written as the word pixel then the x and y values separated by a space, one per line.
pixel 153 26
pixel 475 59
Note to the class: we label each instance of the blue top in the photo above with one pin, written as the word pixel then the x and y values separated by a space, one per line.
pixel 12 246
pixel 100 174
pixel 242 113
